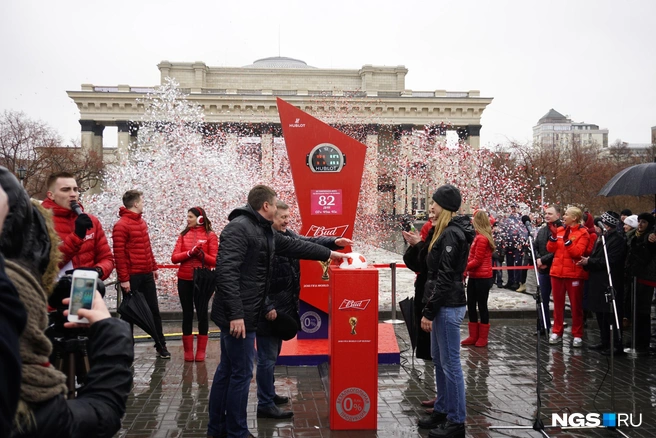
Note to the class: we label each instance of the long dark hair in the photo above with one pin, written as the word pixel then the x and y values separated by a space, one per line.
pixel 199 211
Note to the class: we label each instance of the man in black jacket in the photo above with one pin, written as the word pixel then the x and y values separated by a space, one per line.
pixel 283 298
pixel 543 262
pixel 247 246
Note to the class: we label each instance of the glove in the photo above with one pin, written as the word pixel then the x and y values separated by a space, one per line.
pixel 193 251
pixel 82 224
pixel 554 231
pixel 566 236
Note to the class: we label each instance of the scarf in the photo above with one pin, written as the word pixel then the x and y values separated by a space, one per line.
pixel 40 380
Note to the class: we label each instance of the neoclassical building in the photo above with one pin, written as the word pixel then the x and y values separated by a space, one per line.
pixel 375 98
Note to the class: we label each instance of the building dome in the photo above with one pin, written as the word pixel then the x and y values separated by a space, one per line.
pixel 278 62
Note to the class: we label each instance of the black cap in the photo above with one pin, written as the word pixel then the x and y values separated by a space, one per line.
pixel 626 212
pixel 646 217
pixel 448 197
pixel 284 326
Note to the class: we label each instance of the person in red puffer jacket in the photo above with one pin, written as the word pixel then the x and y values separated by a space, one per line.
pixel 83 241
pixel 479 268
pixel 197 246
pixel 135 263
pixel 568 244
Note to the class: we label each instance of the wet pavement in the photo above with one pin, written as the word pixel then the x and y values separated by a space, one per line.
pixel 170 397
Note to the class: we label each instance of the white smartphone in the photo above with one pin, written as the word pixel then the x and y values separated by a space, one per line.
pixel 83 288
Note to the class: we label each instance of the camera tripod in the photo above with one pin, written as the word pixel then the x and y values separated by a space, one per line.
pixel 70 357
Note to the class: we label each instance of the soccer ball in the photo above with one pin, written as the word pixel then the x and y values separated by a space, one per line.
pixel 355 261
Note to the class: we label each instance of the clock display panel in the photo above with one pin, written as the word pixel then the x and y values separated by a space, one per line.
pixel 326 157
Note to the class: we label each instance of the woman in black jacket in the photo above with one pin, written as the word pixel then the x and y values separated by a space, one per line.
pixel 415 259
pixel 598 280
pixel 443 314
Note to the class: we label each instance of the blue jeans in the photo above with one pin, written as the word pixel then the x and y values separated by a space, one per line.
pixel 268 350
pixel 445 349
pixel 545 293
pixel 229 394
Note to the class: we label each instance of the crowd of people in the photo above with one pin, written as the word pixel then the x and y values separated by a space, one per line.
pixel 256 264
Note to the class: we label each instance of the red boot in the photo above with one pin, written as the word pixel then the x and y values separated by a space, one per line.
pixel 188 344
pixel 484 330
pixel 473 334
pixel 201 345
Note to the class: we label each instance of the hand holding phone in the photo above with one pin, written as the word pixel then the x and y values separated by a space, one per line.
pixel 83 289
pixel 97 313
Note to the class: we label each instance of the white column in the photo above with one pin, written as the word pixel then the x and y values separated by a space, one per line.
pixel 267 157
pixel 369 197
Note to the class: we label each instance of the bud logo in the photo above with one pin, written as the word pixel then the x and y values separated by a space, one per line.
pixel 297 124
pixel 316 231
pixel 595 420
pixel 351 304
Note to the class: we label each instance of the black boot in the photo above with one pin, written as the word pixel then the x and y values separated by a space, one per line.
pixel 273 412
pixel 432 421
pixel 448 430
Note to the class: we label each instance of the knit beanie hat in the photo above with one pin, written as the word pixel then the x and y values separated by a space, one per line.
pixel 632 221
pixel 610 218
pixel 646 217
pixel 448 197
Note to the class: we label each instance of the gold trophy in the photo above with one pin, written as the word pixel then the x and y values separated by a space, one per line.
pixel 324 268
pixel 353 321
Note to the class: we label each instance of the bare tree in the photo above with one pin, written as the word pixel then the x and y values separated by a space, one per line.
pixel 37 148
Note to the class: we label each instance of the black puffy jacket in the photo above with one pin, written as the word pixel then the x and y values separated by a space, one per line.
pixel 244 265
pixel 100 404
pixel 285 287
pixel 446 263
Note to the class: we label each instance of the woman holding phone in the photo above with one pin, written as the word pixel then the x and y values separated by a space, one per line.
pixel 197 246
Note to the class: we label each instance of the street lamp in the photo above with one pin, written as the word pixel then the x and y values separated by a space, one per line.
pixel 543 184
pixel 21 174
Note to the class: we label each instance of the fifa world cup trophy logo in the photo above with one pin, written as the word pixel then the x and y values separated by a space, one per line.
pixel 353 321
pixel 324 268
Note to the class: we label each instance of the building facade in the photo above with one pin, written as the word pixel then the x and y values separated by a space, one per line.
pixel 375 98
pixel 555 129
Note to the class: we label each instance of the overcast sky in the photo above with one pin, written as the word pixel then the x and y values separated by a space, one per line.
pixel 594 60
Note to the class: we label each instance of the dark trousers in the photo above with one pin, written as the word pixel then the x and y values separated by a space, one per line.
pixel 478 291
pixel 513 258
pixel 186 294
pixel 497 274
pixel 145 283
pixel 604 319
pixel 545 295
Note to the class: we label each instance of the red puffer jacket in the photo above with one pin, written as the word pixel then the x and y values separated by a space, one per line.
pixel 195 236
pixel 565 257
pixel 91 252
pixel 479 264
pixel 132 251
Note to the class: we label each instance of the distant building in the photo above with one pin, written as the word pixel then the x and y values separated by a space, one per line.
pixel 653 135
pixel 555 129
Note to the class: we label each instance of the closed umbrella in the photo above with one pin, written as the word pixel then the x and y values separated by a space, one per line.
pixel 134 309
pixel 407 307
pixel 204 285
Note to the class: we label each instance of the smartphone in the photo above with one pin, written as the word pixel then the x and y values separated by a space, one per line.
pixel 83 288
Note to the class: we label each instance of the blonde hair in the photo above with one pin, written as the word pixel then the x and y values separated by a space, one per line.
pixel 441 223
pixel 482 226
pixel 575 211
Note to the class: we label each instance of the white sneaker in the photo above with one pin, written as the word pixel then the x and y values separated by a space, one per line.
pixel 577 343
pixel 555 339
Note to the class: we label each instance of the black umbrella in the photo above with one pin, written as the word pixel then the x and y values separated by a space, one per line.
pixel 636 180
pixel 407 307
pixel 134 309
pixel 204 285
